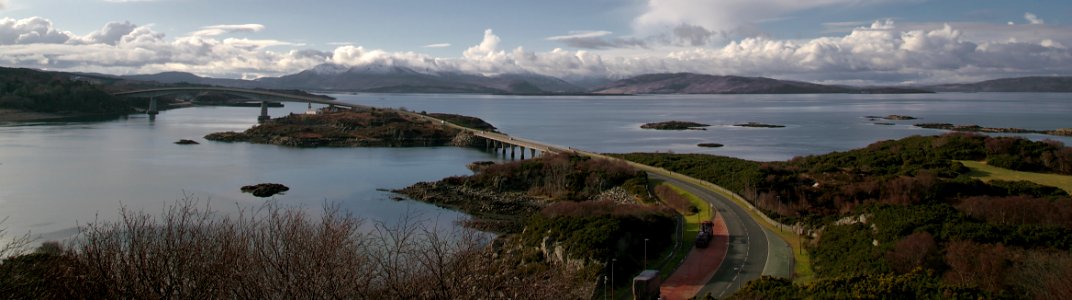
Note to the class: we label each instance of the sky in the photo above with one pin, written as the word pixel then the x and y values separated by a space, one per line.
pixel 827 41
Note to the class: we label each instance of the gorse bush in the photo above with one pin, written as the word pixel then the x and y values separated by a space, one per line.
pixel 273 252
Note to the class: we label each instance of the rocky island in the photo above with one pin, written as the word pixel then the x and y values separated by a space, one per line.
pixel 265 189
pixel 359 128
pixel 892 117
pixel 675 125
pixel 709 145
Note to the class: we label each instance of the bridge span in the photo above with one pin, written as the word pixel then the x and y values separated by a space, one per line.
pixel 263 95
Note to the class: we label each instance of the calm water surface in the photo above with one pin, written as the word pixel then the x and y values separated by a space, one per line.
pixel 815 124
pixel 54 176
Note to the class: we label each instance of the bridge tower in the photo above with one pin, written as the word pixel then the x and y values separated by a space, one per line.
pixel 153 110
pixel 264 113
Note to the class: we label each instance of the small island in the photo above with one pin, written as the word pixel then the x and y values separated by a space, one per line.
pixel 186 142
pixel 892 117
pixel 709 145
pixel 675 125
pixel 356 128
pixel 758 125
pixel 265 189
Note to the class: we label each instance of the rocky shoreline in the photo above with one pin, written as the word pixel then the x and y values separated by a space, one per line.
pixel 491 211
pixel 977 128
pixel 18 115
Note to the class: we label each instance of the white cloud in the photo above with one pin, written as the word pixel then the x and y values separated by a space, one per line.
pixel 125 48
pixel 487 46
pixel 111 33
pixel 216 30
pixel 883 53
pixel 3 4
pixel 1033 19
pixel 580 34
pixel 440 45
pixel 587 39
pixel 720 18
pixel 32 30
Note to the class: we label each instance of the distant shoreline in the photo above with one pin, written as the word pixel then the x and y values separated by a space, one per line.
pixel 18 115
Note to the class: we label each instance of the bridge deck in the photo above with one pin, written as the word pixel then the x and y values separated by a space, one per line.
pixel 256 94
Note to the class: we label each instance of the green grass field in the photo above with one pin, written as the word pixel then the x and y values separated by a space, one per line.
pixel 987 172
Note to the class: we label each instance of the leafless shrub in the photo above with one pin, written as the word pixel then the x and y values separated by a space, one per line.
pixel 275 252
pixel 14 245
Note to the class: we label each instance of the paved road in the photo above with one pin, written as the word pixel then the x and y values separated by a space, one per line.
pixel 747 255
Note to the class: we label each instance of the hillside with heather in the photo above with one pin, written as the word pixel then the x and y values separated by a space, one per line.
pixel 55 95
pixel 904 217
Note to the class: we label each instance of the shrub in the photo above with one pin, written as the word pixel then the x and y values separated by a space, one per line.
pixel 273 252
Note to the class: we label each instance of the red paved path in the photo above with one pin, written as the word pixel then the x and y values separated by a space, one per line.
pixel 699 266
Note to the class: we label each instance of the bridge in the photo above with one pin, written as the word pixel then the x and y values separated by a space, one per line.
pixel 263 95
pixel 500 142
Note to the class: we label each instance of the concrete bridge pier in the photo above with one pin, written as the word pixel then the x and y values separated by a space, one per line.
pixel 522 152
pixel 153 110
pixel 264 113
pixel 512 150
pixel 533 151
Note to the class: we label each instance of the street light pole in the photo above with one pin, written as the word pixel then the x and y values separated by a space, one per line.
pixel 612 261
pixel 605 294
pixel 645 253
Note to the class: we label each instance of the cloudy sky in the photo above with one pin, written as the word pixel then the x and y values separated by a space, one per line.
pixel 831 41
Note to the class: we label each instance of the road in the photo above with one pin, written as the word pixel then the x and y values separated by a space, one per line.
pixel 748 242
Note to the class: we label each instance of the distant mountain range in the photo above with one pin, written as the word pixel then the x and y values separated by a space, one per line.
pixel 398 79
pixel 690 83
pixel 1057 84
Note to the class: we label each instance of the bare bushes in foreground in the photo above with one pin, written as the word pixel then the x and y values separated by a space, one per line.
pixel 273 252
